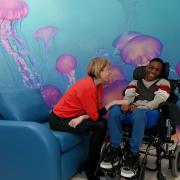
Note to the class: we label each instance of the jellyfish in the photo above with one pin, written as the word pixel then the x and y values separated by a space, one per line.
pixel 122 40
pixel 114 91
pixel 137 49
pixel 46 34
pixel 116 73
pixel 178 69
pixel 51 94
pixel 12 11
pixel 66 65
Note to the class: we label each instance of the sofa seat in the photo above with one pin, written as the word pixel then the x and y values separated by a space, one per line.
pixel 67 141
pixel 30 150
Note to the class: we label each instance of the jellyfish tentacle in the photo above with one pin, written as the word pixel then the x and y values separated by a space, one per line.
pixel 71 77
pixel 27 74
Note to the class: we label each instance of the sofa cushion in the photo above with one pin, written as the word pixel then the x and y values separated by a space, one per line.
pixel 23 105
pixel 66 140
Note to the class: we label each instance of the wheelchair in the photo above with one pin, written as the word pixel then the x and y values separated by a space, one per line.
pixel 158 137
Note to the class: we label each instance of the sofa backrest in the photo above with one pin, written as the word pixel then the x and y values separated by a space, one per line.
pixel 23 105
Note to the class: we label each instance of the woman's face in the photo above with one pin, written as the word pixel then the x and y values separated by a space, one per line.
pixel 105 75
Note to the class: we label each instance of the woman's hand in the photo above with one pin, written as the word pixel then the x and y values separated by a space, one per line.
pixel 125 107
pixel 116 102
pixel 76 121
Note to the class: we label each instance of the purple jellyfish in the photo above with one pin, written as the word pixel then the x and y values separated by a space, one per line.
pixel 10 12
pixel 66 65
pixel 140 50
pixel 137 49
pixel 51 94
pixel 122 40
pixel 114 91
pixel 117 73
pixel 178 68
pixel 46 34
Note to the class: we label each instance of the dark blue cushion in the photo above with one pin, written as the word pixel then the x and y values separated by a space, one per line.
pixel 23 105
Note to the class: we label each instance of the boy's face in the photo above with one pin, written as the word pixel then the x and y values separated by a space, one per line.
pixel 153 71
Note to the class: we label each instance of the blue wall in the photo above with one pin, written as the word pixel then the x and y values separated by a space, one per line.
pixel 84 29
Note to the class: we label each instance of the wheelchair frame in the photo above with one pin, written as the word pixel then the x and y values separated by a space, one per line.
pixel 160 140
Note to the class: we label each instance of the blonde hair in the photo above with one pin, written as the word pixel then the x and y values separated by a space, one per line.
pixel 97 65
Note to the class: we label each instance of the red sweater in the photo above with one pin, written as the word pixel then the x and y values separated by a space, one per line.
pixel 80 98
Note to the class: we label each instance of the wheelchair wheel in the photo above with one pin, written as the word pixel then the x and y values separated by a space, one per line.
pixel 141 172
pixel 176 162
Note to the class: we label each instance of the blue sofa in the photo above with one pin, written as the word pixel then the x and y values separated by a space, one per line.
pixel 29 150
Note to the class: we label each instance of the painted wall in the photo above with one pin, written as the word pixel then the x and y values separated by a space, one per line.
pixel 48 44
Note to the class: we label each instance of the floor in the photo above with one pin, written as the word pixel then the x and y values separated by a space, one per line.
pixel 149 175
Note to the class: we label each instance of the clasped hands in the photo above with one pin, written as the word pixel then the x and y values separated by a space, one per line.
pixel 128 107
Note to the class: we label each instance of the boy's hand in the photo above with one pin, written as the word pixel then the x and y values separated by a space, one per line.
pixel 132 107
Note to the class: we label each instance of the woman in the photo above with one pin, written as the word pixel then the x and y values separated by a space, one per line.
pixel 80 110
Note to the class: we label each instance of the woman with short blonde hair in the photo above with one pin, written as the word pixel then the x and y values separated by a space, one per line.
pixel 80 110
pixel 96 65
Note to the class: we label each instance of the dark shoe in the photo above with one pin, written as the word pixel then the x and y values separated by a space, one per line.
pixel 90 175
pixel 131 165
pixel 100 173
pixel 112 158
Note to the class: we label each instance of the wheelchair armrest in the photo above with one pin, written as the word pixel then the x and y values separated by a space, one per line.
pixel 171 111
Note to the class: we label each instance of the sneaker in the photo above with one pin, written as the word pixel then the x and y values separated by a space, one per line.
pixel 130 167
pixel 111 158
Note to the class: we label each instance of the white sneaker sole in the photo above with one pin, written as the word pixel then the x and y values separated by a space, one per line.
pixel 107 165
pixel 126 174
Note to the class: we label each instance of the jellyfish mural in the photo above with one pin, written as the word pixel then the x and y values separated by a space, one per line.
pixel 46 34
pixel 129 11
pixel 115 88
pixel 117 73
pixel 121 40
pixel 138 49
pixel 66 65
pixel 178 69
pixel 114 91
pixel 12 11
pixel 52 94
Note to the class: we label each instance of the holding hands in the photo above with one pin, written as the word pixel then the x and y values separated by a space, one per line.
pixel 116 102
pixel 128 107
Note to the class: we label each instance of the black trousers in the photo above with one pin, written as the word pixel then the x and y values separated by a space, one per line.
pixel 97 135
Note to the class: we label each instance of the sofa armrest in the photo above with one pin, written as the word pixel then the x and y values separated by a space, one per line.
pixel 28 151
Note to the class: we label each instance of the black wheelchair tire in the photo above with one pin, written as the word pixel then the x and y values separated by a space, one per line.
pixel 141 173
pixel 175 162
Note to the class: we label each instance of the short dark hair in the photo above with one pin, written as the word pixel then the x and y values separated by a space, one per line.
pixel 157 60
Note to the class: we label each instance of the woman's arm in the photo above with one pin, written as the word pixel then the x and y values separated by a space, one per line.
pixel 76 121
pixel 116 102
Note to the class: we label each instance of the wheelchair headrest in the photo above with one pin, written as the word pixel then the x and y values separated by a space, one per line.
pixel 140 72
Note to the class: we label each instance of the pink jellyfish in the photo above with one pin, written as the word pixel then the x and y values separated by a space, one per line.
pixel 121 40
pixel 117 73
pixel 178 68
pixel 114 91
pixel 51 94
pixel 66 65
pixel 46 34
pixel 10 12
pixel 138 49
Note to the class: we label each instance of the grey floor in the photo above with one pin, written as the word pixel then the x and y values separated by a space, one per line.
pixel 149 175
